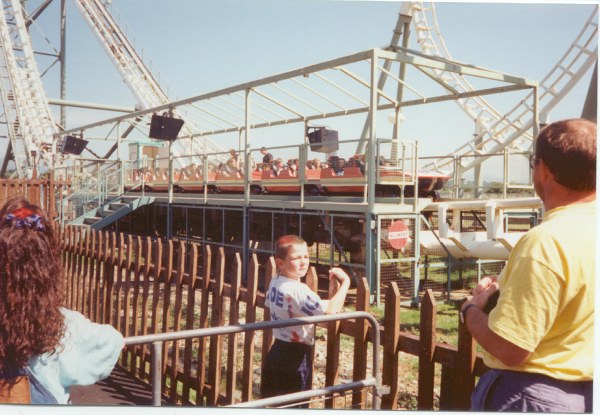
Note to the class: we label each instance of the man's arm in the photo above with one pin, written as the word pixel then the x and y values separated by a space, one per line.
pixel 477 322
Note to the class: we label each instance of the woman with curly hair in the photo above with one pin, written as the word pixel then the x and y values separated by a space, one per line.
pixel 42 343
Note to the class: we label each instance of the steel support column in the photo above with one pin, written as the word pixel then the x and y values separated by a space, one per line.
pixel 370 222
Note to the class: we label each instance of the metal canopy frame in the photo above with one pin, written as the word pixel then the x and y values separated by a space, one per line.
pixel 292 97
pixel 338 87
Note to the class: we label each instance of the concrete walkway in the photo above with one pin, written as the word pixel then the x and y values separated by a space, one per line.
pixel 118 389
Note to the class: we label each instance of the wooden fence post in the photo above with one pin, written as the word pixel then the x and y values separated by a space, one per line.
pixel 203 323
pixel 128 269
pixel 312 281
pixel 158 260
pixel 248 365
pixel 232 349
pixel 109 269
pixel 177 281
pixel 104 276
pixel 189 323
pixel 361 343
pixel 166 279
pixel 121 265
pixel 466 359
pixel 148 263
pixel 216 342
pixel 91 273
pixel 98 276
pixel 426 349
pixel 76 269
pixel 270 272
pixel 333 347
pixel 86 272
pixel 69 256
pixel 390 346
pixel 137 271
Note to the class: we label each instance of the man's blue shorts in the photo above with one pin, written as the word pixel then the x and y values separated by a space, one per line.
pixel 512 391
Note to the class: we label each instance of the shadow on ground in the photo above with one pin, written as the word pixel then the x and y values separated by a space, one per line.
pixel 118 389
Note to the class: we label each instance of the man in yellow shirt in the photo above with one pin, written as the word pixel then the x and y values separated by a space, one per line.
pixel 539 339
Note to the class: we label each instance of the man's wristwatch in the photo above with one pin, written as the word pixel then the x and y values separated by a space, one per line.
pixel 463 312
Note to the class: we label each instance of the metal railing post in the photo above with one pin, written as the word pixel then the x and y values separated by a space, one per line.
pixel 156 372
pixel 158 340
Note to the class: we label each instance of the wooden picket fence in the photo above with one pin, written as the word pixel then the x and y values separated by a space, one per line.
pixel 40 192
pixel 144 285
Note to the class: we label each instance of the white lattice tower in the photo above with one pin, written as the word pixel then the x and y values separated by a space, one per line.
pixel 29 120
pixel 513 128
pixel 135 73
pixel 9 105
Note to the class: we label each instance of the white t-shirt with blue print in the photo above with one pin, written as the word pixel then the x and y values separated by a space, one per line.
pixel 288 298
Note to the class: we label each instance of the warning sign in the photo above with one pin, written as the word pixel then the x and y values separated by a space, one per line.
pixel 398 234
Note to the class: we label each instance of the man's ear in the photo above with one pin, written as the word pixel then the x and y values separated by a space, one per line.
pixel 544 170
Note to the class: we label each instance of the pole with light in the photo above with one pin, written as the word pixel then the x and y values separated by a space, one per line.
pixel 165 127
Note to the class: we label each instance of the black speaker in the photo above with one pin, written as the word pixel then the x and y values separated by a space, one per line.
pixel 323 140
pixel 164 128
pixel 73 145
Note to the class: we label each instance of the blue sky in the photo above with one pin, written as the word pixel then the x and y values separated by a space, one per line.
pixel 200 46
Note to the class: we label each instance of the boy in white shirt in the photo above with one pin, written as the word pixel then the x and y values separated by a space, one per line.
pixel 289 364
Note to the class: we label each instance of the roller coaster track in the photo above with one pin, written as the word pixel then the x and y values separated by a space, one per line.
pixel 510 130
pixel 134 72
pixel 30 125
pixel 29 121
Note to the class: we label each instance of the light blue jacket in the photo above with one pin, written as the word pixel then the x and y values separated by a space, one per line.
pixel 87 353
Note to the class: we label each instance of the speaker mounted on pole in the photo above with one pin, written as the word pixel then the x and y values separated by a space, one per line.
pixel 322 139
pixel 72 144
pixel 164 127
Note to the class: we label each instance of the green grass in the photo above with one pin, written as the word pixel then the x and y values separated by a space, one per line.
pixel 410 318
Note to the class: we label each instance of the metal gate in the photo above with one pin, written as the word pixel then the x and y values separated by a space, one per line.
pixel 397 252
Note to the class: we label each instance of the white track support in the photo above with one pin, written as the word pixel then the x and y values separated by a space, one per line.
pixel 511 129
pixel 135 73
pixel 30 123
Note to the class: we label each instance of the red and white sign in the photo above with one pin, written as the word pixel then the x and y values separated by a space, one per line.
pixel 398 235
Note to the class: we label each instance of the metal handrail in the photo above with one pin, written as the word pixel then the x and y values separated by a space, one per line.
pixel 158 340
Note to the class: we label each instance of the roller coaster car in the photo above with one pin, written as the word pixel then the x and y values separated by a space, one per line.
pixel 339 181
pixel 430 184
pixel 352 181
pixel 194 183
pixel 234 182
pixel 346 181
pixel 162 185
pixel 288 182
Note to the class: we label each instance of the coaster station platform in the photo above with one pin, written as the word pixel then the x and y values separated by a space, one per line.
pixel 348 220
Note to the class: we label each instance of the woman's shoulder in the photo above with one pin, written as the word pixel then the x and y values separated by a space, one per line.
pixel 82 330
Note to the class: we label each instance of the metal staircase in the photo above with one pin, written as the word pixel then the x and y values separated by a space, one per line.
pixel 30 125
pixel 103 201
pixel 135 73
pixel 112 211
pixel 500 131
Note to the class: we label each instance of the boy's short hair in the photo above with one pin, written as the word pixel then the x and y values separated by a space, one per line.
pixel 284 243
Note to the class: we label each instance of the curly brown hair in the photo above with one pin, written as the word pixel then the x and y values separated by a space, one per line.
pixel 31 285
